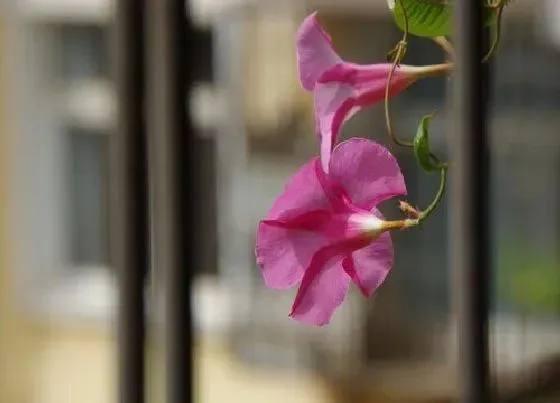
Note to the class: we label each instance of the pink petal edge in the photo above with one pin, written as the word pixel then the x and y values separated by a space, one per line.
pixel 283 254
pixel 323 289
pixel 314 50
pixel 371 264
pixel 325 284
pixel 344 90
pixel 303 193
pixel 370 174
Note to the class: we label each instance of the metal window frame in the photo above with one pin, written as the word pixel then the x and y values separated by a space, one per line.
pixel 469 150
pixel 170 59
pixel 129 235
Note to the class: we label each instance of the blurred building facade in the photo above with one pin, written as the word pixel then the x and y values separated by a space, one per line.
pixel 255 129
pixel 57 296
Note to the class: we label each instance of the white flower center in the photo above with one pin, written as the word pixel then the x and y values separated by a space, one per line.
pixel 371 223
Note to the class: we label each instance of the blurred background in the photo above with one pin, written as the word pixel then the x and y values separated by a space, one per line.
pixel 254 129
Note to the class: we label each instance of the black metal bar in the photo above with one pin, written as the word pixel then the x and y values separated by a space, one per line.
pixel 171 141
pixel 129 194
pixel 469 203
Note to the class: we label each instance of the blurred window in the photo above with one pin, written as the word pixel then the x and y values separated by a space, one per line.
pixel 87 170
pixel 526 69
pixel 82 51
pixel 62 176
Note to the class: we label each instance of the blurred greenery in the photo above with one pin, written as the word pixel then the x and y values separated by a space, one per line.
pixel 530 279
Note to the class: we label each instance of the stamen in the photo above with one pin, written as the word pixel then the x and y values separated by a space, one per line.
pixel 398 224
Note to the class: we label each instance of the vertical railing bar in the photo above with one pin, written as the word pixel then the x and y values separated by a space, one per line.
pixel 179 311
pixel 469 187
pixel 171 137
pixel 129 199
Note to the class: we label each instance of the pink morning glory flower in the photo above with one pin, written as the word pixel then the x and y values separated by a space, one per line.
pixel 341 88
pixel 324 231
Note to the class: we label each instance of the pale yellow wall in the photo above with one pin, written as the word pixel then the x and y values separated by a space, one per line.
pixel 222 379
pixel 15 340
pixel 77 365
pixel 272 88
pixel 73 365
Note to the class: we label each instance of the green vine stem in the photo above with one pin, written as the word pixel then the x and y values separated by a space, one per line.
pixel 499 5
pixel 398 53
pixel 439 195
pixel 401 46
pixel 445 45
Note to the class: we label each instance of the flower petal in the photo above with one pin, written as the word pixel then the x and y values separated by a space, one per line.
pixel 285 248
pixel 289 235
pixel 284 253
pixel 369 81
pixel 368 172
pixel 315 53
pixel 369 266
pixel 302 194
pixel 343 91
pixel 334 105
pixel 319 296
pixel 325 284
pixel 340 88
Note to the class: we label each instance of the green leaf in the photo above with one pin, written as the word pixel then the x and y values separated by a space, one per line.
pixel 425 17
pixel 429 18
pixel 421 145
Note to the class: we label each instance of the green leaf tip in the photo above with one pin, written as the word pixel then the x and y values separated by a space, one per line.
pixel 421 145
